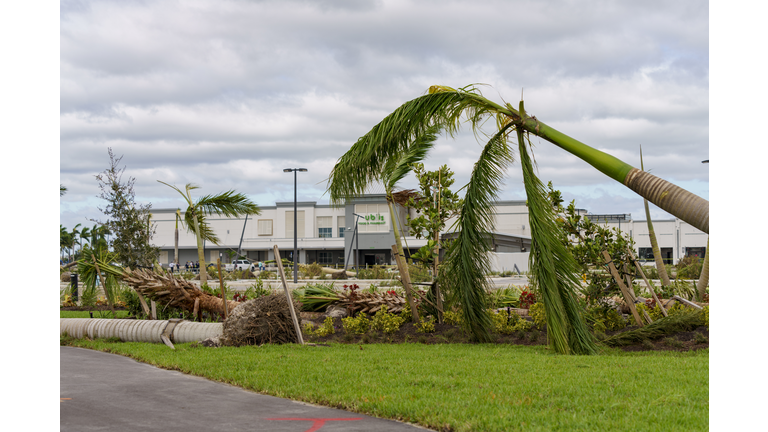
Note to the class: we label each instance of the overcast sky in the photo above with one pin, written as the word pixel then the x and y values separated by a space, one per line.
pixel 225 94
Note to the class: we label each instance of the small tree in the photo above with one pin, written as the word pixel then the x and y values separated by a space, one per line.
pixel 435 204
pixel 127 220
pixel 587 240
pixel 229 204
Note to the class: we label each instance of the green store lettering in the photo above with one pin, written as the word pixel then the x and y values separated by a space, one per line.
pixel 373 219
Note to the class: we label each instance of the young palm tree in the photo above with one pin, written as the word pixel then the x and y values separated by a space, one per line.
pixel 229 204
pixel 701 286
pixel 176 240
pixel 395 170
pixel 662 270
pixel 467 261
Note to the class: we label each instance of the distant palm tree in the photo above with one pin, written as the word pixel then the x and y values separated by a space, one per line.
pixel 98 241
pixel 75 233
pixel 229 204
pixel 62 190
pixel 65 240
pixel 85 235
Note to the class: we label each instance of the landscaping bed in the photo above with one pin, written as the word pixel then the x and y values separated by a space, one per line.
pixel 451 334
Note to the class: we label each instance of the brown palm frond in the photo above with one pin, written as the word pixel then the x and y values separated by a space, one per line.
pixel 402 197
pixel 175 292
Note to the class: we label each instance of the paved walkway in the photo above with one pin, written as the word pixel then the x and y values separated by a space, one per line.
pixel 107 392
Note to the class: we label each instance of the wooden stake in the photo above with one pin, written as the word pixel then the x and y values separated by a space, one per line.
pixel 288 295
pixel 196 312
pixel 221 285
pixel 648 284
pixel 104 286
pixel 153 306
pixel 405 277
pixel 632 291
pixel 144 305
pixel 627 296
pixel 437 254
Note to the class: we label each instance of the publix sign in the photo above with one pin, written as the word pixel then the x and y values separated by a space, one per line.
pixel 373 219
pixel 373 222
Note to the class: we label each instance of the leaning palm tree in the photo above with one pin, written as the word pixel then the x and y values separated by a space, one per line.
pixel 467 261
pixel 229 204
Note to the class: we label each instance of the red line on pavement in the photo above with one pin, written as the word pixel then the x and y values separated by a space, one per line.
pixel 317 423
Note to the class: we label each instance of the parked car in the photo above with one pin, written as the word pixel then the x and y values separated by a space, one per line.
pixel 240 265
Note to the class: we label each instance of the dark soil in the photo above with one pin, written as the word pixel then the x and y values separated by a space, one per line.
pixel 446 333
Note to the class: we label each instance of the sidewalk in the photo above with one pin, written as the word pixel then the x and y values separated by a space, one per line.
pixel 107 392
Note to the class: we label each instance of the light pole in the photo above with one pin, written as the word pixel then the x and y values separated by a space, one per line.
pixel 295 223
pixel 357 242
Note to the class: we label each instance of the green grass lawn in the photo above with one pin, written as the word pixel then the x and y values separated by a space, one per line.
pixel 96 314
pixel 462 387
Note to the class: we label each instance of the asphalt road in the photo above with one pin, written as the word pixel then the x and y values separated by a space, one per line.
pixel 107 392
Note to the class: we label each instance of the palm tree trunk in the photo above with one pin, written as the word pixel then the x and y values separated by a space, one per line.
pixel 405 277
pixel 656 250
pixel 701 287
pixel 176 242
pixel 669 197
pixel 200 253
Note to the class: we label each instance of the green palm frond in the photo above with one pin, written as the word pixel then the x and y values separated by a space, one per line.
pixel 554 269
pixel 230 204
pixel 467 260
pixel 443 108
pixel 206 233
pixel 397 168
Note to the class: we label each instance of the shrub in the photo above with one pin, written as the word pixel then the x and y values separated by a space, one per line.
pixel 385 321
pixel 374 272
pixel 453 318
pixel 654 312
pixel 700 338
pixel 689 267
pixel 527 298
pixel 425 326
pixel 325 329
pixel 706 316
pixel 312 270
pixel 356 325
pixel 605 318
pixel 504 323
pixel 538 313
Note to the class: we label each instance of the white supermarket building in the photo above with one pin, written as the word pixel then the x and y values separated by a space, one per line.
pixel 326 234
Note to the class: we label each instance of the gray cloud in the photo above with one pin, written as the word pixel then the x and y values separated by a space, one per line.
pixel 225 94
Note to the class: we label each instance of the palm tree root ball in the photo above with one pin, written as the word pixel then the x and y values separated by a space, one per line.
pixel 259 321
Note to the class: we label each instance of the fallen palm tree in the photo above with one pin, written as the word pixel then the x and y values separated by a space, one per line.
pixel 174 292
pixel 317 298
pixel 163 288
pixel 684 321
